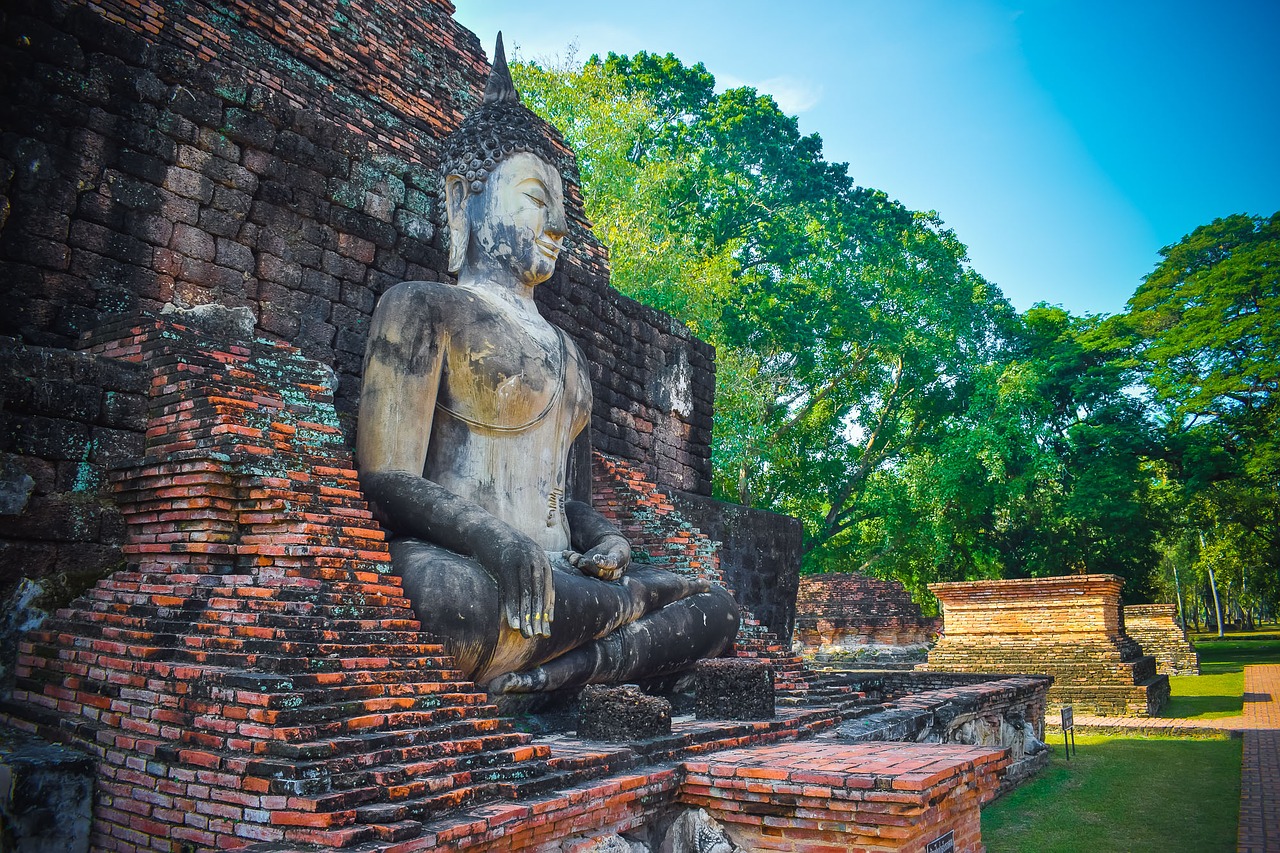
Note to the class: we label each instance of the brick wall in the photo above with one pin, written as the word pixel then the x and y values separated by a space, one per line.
pixel 278 157
pixel 1156 628
pixel 66 419
pixel 1069 627
pixel 760 554
pixel 846 612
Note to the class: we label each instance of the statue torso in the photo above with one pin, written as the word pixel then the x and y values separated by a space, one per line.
pixel 514 392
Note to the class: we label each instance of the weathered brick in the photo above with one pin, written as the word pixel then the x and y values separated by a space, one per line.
pixel 193 242
pixel 235 256
pixel 189 184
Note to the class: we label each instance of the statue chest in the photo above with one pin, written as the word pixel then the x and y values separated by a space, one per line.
pixel 510 384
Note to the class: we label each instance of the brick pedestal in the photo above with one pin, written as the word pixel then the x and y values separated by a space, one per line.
pixel 1156 628
pixel 1068 627
pixel 847 613
pixel 819 798
pixel 255 673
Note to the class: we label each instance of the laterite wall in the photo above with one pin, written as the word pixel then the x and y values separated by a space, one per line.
pixel 276 157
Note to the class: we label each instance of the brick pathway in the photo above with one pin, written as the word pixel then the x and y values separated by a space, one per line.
pixel 1260 768
pixel 1259 725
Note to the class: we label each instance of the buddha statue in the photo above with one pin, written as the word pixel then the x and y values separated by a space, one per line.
pixel 470 406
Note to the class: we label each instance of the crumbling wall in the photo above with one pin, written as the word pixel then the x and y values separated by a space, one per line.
pixel 760 555
pixel 280 158
pixel 846 613
pixel 1070 627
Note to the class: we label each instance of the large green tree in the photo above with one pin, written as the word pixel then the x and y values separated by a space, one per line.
pixel 845 324
pixel 871 383
pixel 1044 471
pixel 1207 326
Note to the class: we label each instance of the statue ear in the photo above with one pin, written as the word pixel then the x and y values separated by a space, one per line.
pixel 455 209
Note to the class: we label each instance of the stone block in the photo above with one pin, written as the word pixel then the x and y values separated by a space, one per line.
pixel 46 795
pixel 734 689
pixel 621 714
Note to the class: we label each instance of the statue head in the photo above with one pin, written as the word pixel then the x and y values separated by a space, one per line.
pixel 503 194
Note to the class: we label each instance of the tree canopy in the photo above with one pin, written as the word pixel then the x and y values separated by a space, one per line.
pixel 871 383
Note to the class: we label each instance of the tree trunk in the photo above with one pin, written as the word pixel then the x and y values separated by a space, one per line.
pixel 1177 588
pixel 1217 605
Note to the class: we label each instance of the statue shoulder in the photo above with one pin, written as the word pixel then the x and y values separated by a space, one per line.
pixel 419 304
pixel 418 297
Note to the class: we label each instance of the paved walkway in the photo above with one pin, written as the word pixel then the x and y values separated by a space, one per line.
pixel 1259 725
pixel 1260 769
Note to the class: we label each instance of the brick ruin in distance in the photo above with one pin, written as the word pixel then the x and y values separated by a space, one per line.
pixel 851 616
pixel 1071 627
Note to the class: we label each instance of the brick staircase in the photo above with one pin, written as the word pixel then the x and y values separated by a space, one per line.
pixel 256 664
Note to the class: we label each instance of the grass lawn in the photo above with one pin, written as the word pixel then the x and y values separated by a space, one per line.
pixel 1127 795
pixel 1219 689
pixel 1124 795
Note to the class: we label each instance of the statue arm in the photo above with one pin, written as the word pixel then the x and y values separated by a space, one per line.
pixel 402 374
pixel 415 506
pixel 599 549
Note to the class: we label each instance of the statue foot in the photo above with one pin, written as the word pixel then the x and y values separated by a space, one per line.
pixel 530 681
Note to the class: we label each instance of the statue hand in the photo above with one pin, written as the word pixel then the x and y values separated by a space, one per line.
pixel 527 590
pixel 608 560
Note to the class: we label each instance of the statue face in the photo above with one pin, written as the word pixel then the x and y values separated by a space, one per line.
pixel 517 222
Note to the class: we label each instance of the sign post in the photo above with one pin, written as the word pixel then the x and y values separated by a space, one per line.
pixel 1068 730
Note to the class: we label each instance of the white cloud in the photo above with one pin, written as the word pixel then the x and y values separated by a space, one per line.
pixel 794 96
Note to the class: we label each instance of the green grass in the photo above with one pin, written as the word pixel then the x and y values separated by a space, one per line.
pixel 1124 795
pixel 1219 689
pixel 1205 697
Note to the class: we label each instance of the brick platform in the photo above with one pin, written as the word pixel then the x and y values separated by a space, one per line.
pixel 1156 629
pixel 255 673
pixel 1069 627
pixel 872 797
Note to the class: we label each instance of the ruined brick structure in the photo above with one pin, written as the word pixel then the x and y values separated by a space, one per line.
pixel 1069 627
pixel 760 555
pixel 845 613
pixel 1156 628
pixel 255 676
pixel 278 158
pixel 240 665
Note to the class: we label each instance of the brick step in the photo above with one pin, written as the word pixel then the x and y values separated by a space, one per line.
pixel 410 650
pixel 373 722
pixel 324 682
pixel 336 576
pixel 374 634
pixel 845 704
pixel 357 598
pixel 323 715
pixel 567 771
pixel 430 786
pixel 399 778
pixel 471 735
pixel 419 667
pixel 433 667
pixel 428 808
pixel 345 575
pixel 291 622
pixel 443 692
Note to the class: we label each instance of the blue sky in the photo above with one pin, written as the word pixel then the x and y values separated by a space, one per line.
pixel 1065 141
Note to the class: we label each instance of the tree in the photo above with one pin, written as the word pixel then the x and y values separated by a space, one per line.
pixel 1206 323
pixel 869 381
pixel 1043 471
